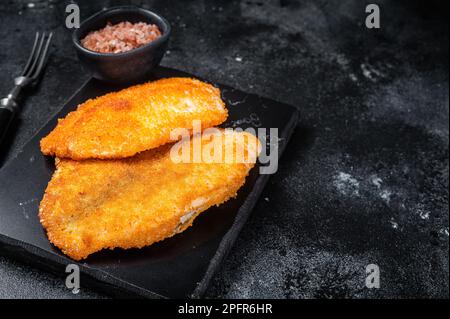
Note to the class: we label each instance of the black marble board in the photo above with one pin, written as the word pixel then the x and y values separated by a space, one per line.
pixel 177 267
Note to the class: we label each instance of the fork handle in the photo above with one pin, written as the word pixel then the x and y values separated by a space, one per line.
pixel 7 111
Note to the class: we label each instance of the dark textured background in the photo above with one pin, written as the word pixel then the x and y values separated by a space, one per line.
pixel 365 177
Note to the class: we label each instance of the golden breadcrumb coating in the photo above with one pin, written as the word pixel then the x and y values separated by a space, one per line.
pixel 134 202
pixel 135 119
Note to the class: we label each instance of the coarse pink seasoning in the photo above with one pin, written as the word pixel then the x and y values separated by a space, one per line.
pixel 121 37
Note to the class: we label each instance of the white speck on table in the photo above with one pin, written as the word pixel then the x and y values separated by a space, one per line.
pixel 346 184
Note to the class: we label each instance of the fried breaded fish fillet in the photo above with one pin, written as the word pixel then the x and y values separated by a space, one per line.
pixel 139 118
pixel 134 202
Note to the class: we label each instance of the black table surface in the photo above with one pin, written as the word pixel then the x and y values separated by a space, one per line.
pixel 364 179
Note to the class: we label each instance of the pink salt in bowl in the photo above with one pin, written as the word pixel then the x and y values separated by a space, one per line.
pixel 130 58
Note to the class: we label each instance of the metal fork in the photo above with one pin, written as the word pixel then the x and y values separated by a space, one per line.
pixel 29 76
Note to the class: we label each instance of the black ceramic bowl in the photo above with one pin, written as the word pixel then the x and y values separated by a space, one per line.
pixel 126 67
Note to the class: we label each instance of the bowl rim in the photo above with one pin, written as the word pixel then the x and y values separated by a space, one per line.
pixel 164 36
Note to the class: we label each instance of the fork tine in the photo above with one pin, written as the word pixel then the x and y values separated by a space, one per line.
pixel 42 57
pixel 30 59
pixel 36 56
